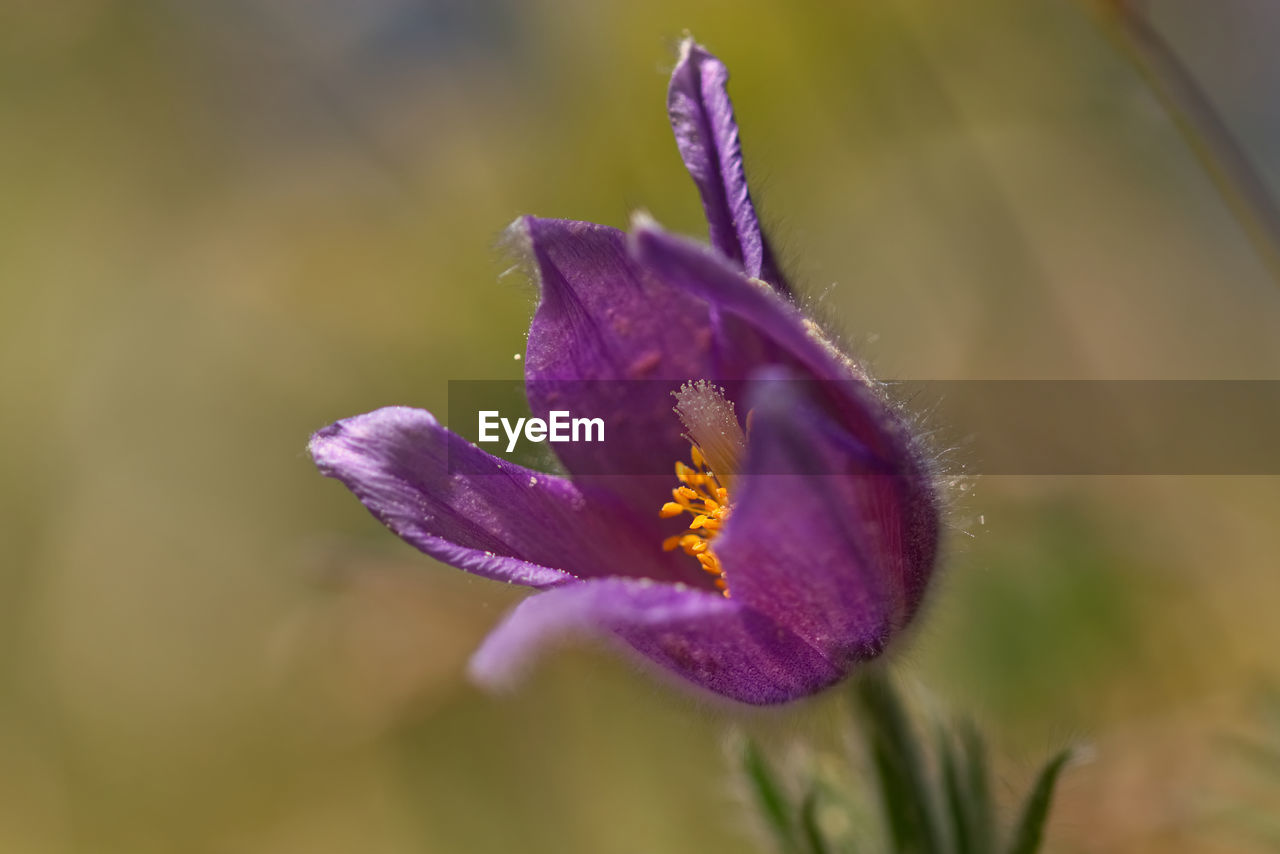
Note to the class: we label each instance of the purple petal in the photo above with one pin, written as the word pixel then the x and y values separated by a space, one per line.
pixel 474 511
pixel 826 537
pixel 773 324
pixel 610 340
pixel 600 321
pixel 713 642
pixel 707 136
pixel 686 265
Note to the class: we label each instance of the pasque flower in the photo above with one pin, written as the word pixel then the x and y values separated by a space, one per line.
pixel 798 531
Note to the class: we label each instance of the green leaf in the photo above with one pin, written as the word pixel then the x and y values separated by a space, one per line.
pixel 772 801
pixel 959 808
pixel 1030 830
pixel 905 793
pixel 982 833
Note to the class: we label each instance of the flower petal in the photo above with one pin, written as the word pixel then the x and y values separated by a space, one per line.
pixel 707 136
pixel 708 640
pixel 611 340
pixel 686 265
pixel 474 511
pixel 827 536
pixel 608 341
pixel 775 326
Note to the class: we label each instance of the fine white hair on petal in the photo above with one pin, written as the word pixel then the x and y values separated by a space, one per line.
pixel 713 426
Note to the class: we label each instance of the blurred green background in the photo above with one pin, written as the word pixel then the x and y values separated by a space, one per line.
pixel 226 224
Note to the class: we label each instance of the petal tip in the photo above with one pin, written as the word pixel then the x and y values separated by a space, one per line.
pixel 643 228
pixel 330 445
pixel 321 443
pixel 517 238
pixel 325 445
pixel 691 50
pixel 494 674
pixel 688 45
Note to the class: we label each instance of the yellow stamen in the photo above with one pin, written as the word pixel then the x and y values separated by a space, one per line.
pixel 717 447
pixel 670 510
pixel 702 495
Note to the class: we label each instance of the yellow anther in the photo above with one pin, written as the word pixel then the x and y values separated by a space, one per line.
pixel 670 510
pixel 701 495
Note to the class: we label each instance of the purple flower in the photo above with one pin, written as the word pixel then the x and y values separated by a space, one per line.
pixel 799 529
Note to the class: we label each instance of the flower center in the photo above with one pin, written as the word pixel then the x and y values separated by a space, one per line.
pixel 717 446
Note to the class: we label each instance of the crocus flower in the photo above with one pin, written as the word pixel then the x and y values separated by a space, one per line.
pixel 798 531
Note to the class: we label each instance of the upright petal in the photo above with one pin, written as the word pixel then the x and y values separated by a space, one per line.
pixel 827 536
pixel 474 511
pixel 688 266
pixel 708 640
pixel 771 323
pixel 608 341
pixel 707 136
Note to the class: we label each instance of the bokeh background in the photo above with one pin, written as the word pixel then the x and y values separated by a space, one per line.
pixel 226 224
